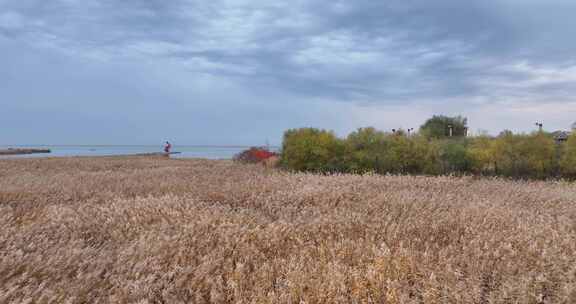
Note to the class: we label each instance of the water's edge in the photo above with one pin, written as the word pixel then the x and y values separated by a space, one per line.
pixel 210 152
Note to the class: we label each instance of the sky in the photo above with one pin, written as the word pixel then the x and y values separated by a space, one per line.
pixel 241 72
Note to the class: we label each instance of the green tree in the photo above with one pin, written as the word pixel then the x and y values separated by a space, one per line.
pixel 439 126
pixel 453 156
pixel 311 149
pixel 366 150
pixel 414 155
pixel 426 155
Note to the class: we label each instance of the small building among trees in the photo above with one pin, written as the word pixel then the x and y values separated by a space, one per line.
pixel 562 136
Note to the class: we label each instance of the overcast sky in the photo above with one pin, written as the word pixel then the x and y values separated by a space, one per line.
pixel 243 71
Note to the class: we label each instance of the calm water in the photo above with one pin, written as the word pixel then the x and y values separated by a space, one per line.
pixel 210 152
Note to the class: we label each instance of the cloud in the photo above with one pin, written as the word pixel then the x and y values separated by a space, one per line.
pixel 10 21
pixel 337 58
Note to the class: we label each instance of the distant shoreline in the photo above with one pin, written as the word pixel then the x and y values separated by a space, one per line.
pixel 6 154
pixel 11 151
pixel 72 151
pixel 136 146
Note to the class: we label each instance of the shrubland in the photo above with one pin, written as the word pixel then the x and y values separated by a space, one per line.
pixel 535 156
pixel 568 160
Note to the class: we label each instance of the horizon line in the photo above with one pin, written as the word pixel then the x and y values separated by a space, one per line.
pixel 144 145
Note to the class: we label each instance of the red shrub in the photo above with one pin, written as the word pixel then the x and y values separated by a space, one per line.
pixel 254 155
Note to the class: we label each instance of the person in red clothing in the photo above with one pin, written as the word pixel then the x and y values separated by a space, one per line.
pixel 167 147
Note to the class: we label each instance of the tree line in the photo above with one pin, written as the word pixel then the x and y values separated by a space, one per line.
pixel 440 147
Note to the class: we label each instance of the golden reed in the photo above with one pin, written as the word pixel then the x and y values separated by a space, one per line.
pixel 155 230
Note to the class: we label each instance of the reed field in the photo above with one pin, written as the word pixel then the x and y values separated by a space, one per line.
pixel 155 230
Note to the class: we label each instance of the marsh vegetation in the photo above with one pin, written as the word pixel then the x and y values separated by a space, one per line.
pixel 155 230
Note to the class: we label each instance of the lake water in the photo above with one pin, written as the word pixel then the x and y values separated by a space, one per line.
pixel 209 152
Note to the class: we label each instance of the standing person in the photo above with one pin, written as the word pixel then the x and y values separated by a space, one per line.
pixel 167 147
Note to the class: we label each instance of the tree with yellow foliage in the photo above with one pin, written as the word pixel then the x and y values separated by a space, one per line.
pixel 568 161
pixel 481 154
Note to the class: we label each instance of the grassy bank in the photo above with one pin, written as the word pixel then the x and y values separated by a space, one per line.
pixel 149 230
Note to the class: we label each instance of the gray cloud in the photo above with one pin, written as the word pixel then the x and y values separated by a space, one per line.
pixel 448 55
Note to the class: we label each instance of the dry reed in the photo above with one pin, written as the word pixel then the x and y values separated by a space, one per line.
pixel 154 230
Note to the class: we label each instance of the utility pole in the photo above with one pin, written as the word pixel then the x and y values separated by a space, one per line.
pixel 539 125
